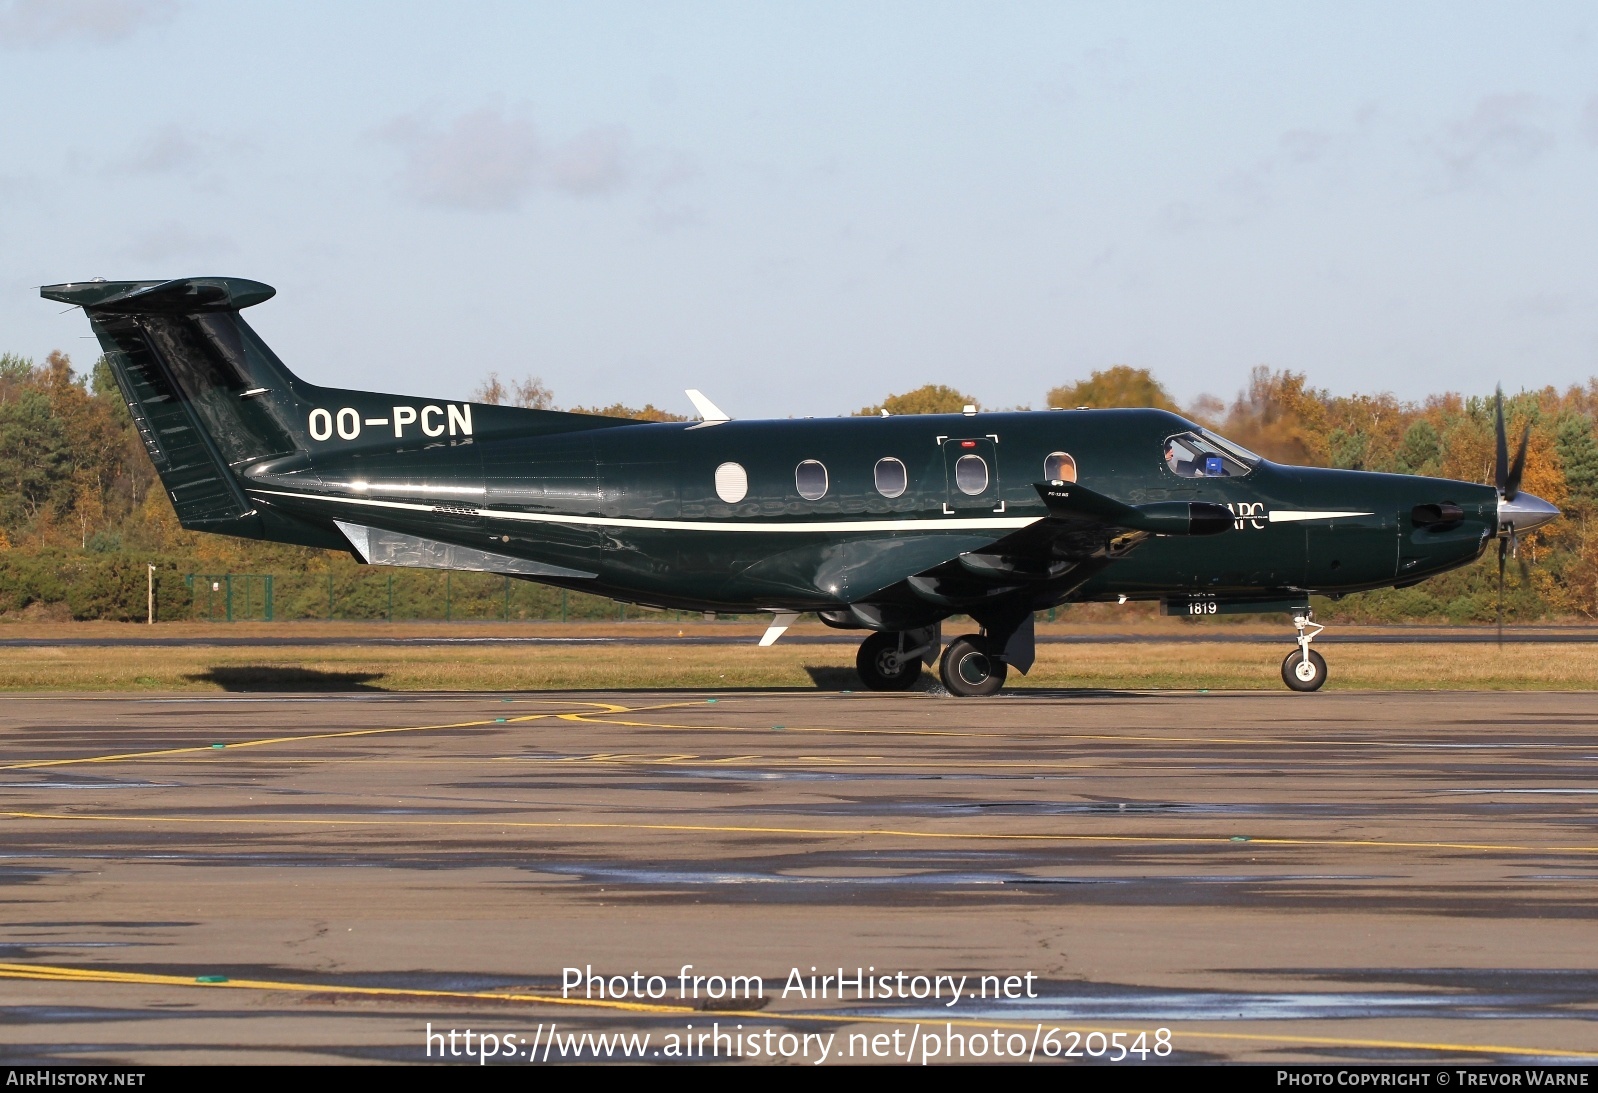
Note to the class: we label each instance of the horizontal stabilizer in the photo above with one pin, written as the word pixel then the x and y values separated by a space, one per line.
pixel 185 296
pixel 1071 501
pixel 379 547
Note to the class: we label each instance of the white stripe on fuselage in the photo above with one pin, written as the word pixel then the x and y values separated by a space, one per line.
pixel 1293 516
pixel 1002 523
pixel 984 523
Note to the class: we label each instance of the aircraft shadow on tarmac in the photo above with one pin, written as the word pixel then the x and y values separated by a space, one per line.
pixel 847 679
pixel 833 679
pixel 272 677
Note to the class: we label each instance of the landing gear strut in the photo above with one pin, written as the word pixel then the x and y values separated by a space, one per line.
pixel 1305 669
pixel 891 660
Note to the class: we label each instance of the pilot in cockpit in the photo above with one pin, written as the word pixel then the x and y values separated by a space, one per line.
pixel 1179 459
pixel 1187 463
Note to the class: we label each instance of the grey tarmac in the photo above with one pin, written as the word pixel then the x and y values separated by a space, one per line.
pixel 1344 877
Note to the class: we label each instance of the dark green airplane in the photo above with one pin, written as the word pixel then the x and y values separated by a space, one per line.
pixel 888 525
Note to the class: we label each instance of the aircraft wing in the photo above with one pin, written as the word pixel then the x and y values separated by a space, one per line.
pixel 1083 524
pixel 1083 532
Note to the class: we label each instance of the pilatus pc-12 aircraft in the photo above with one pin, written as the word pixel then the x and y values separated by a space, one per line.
pixel 885 525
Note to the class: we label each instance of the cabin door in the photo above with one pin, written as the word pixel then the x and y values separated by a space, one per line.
pixel 971 475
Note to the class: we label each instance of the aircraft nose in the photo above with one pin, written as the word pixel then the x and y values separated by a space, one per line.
pixel 1524 513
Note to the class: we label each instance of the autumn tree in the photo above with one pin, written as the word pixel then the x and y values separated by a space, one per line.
pixel 1121 385
pixel 647 412
pixel 931 398
pixel 1281 417
pixel 529 393
pixel 1578 455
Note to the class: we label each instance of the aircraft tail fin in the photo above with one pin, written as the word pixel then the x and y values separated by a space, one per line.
pixel 194 377
pixel 212 401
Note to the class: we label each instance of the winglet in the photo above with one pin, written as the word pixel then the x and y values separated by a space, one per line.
pixel 780 621
pixel 709 411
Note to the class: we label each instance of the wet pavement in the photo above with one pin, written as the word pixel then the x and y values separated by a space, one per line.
pixel 1270 877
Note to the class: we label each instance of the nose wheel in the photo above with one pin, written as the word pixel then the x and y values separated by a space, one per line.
pixel 1305 669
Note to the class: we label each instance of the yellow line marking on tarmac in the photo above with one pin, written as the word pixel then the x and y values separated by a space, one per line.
pixel 266 741
pixel 598 717
pixel 824 832
pixel 623 759
pixel 594 719
pixel 56 973
pixel 1056 738
pixel 49 973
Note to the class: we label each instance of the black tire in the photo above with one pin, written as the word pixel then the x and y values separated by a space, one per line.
pixel 969 670
pixel 880 667
pixel 1292 666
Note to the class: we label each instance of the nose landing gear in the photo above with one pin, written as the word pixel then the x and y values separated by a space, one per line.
pixel 1305 669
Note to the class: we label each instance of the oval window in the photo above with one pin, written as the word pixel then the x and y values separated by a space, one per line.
pixel 811 478
pixel 1059 467
pixel 971 474
pixel 731 483
pixel 892 480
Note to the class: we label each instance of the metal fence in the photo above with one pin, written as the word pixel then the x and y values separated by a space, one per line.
pixel 373 594
pixel 217 590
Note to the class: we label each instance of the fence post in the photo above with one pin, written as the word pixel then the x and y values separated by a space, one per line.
pixel 507 599
pixel 391 597
pixel 229 580
pixel 563 605
pixel 269 615
pixel 329 595
pixel 448 582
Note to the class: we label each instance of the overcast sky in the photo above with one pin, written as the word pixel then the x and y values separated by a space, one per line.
pixel 801 208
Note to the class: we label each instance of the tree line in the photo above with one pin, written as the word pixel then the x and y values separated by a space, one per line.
pixel 81 510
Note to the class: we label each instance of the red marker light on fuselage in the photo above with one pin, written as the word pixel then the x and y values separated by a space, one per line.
pixel 968 444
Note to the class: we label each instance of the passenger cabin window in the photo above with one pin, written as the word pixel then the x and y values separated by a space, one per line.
pixel 1204 455
pixel 892 479
pixel 1059 467
pixel 731 483
pixel 811 479
pixel 971 475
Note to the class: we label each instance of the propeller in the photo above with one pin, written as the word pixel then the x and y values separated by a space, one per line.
pixel 1506 476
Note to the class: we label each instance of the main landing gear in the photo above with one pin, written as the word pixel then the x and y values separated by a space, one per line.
pixel 891 660
pixel 969 668
pixel 1305 669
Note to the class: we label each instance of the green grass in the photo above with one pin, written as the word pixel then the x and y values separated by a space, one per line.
pixel 523 668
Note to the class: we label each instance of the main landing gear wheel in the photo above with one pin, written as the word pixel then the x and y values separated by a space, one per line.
pixel 1301 674
pixel 883 665
pixel 968 669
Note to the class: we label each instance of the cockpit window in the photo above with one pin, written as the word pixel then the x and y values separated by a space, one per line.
pixel 1204 455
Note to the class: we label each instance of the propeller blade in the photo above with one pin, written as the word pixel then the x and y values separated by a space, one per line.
pixel 1501 464
pixel 1503 551
pixel 1512 486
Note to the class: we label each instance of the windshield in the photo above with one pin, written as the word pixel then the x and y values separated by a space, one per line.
pixel 1200 454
